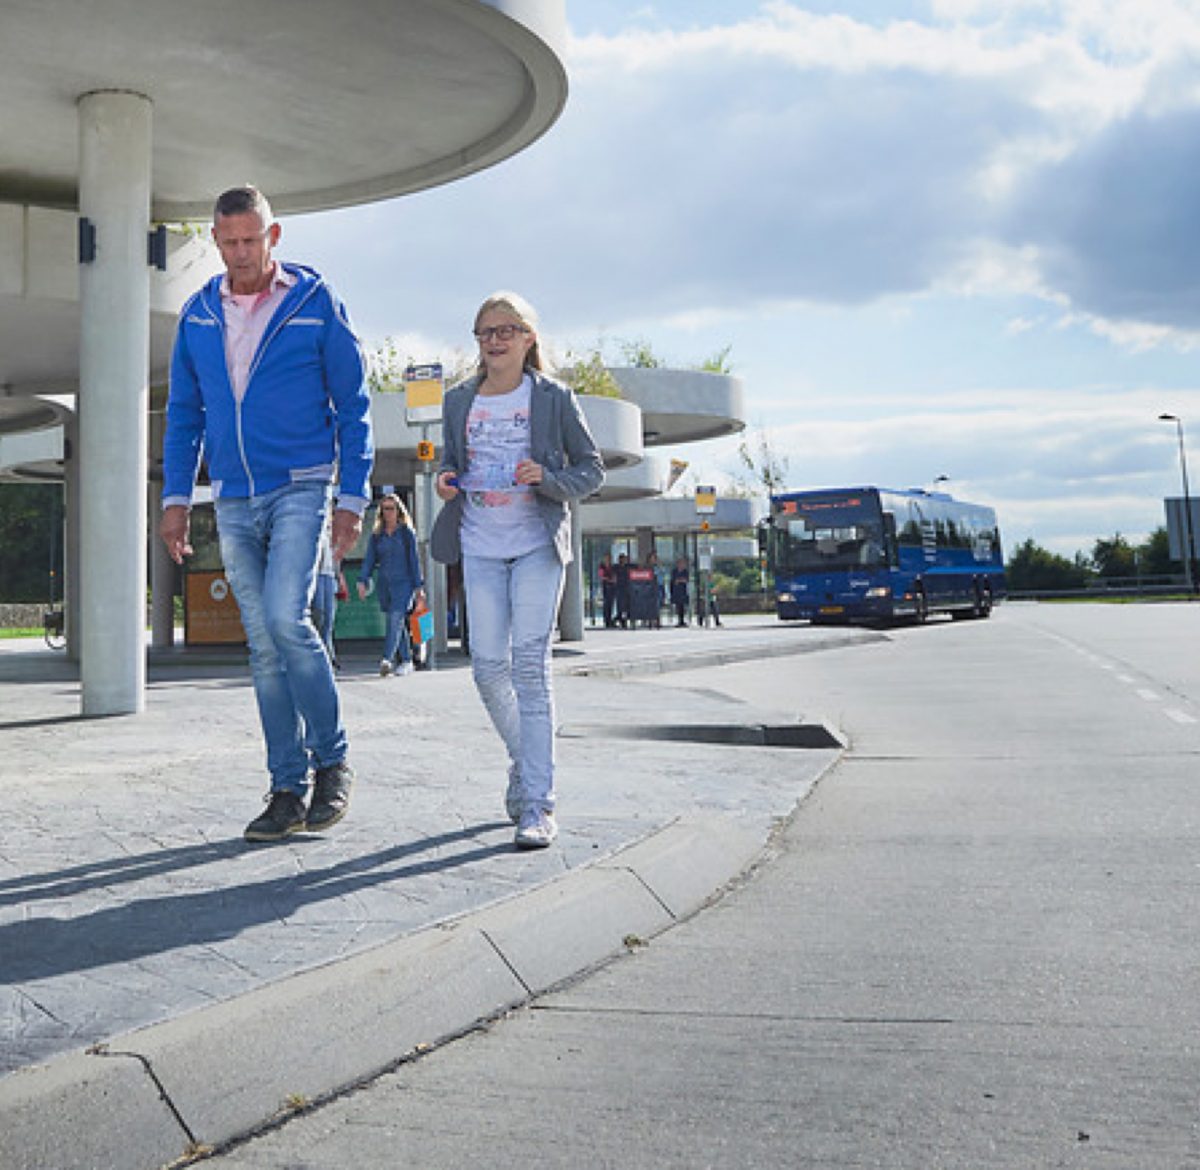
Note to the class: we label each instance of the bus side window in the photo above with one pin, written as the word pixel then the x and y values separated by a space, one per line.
pixel 890 554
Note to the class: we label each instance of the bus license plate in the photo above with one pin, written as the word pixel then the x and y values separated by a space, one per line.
pixel 832 609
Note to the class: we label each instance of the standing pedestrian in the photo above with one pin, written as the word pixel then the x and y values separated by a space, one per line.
pixel 623 597
pixel 268 381
pixel 392 550
pixel 516 451
pixel 660 590
pixel 679 590
pixel 608 587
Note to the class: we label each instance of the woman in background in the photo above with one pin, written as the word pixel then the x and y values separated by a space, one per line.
pixel 392 552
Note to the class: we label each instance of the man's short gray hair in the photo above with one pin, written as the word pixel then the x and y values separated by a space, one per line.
pixel 241 201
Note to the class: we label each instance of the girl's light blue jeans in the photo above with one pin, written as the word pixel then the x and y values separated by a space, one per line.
pixel 270 545
pixel 512 605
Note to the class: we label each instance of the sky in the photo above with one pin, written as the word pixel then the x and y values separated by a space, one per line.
pixel 939 238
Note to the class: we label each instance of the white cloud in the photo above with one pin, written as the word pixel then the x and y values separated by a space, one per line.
pixel 753 179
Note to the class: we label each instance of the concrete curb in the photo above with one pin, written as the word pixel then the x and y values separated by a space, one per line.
pixel 722 656
pixel 159 1093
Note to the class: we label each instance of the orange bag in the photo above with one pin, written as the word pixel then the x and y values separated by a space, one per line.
pixel 420 624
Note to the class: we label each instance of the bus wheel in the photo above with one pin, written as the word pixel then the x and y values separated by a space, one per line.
pixel 983 603
pixel 921 602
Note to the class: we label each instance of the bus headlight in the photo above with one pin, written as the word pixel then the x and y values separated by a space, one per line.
pixel 879 591
pixel 787 598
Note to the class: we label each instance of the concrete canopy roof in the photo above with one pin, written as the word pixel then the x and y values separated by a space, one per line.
pixel 320 105
pixel 683 406
pixel 40 313
pixel 34 413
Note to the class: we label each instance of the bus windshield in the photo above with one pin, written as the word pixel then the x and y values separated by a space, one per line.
pixel 816 535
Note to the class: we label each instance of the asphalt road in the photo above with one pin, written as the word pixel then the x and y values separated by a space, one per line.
pixel 974 945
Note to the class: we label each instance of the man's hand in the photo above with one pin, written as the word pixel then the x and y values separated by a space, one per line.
pixel 347 528
pixel 173 528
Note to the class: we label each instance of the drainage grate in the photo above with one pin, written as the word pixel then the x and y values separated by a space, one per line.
pixel 786 735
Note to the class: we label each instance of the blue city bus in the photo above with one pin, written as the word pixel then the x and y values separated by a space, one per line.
pixel 875 554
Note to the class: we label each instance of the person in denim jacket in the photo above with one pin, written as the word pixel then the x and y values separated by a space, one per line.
pixel 391 558
pixel 516 452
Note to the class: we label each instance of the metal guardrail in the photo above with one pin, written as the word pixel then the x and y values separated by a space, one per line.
pixel 1111 587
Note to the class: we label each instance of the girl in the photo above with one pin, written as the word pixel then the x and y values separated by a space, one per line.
pixel 516 450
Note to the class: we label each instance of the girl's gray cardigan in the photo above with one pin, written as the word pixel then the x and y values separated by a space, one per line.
pixel 559 440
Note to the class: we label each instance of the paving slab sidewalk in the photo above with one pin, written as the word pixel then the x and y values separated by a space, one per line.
pixel 164 985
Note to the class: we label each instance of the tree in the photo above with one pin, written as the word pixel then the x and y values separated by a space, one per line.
pixel 763 468
pixel 1154 555
pixel 719 363
pixel 31 519
pixel 1114 558
pixel 1032 567
pixel 640 354
pixel 386 366
pixel 589 375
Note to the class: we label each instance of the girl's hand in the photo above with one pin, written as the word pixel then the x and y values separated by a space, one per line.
pixel 529 472
pixel 446 485
pixel 362 592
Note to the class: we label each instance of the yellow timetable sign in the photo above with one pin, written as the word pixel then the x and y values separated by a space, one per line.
pixel 423 389
pixel 706 499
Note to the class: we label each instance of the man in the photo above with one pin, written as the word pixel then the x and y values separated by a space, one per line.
pixel 269 381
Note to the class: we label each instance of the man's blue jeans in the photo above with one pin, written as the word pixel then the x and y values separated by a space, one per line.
pixel 270 546
pixel 324 609
pixel 512 605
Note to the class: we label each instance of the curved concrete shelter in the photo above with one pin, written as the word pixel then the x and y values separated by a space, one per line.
pixel 138 112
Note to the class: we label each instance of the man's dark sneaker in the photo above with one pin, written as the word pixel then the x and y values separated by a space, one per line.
pixel 284 815
pixel 330 797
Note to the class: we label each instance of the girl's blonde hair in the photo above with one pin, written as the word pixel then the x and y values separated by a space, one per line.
pixel 516 306
pixel 401 511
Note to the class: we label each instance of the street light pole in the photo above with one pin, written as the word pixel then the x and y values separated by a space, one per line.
pixel 1189 551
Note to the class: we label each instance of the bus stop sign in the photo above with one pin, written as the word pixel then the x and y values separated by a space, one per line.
pixel 423 387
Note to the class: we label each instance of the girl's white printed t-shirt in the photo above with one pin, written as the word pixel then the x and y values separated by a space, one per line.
pixel 500 516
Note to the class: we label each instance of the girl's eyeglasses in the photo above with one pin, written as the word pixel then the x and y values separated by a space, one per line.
pixel 500 332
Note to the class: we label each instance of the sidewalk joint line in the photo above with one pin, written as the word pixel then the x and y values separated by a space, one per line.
pixel 102 1050
pixel 650 890
pixel 504 959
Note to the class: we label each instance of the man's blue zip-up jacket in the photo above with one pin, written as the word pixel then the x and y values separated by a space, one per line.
pixel 305 413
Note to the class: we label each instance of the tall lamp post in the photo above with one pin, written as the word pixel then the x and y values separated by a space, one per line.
pixel 1189 551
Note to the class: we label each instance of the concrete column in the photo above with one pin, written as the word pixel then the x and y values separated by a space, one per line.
pixel 71 533
pixel 114 400
pixel 163 570
pixel 570 614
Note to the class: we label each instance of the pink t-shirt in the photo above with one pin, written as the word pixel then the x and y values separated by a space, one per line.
pixel 246 318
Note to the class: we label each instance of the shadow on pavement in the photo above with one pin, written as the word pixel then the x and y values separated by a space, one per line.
pixel 42 947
